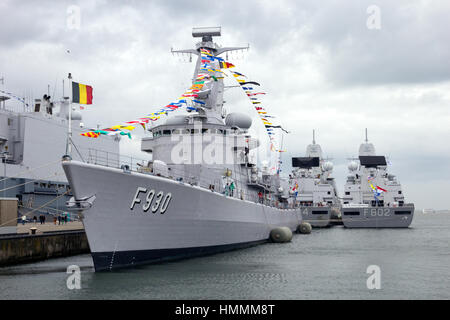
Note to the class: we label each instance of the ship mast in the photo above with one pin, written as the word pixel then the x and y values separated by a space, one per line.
pixel 213 95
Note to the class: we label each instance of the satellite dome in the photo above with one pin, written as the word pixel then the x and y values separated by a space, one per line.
pixel 367 149
pixel 314 150
pixel 352 166
pixel 239 120
pixel 328 166
pixel 176 120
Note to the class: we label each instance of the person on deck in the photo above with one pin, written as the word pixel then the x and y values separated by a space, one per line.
pixel 232 187
pixel 260 196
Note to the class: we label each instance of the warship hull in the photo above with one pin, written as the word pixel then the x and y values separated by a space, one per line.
pixel 317 217
pixel 378 217
pixel 139 218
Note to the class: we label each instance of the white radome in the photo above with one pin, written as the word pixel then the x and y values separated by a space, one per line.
pixel 240 120
pixel 353 166
pixel 328 166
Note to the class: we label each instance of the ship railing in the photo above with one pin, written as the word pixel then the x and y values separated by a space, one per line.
pixel 15 108
pixel 113 160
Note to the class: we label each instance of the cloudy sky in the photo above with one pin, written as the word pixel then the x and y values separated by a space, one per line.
pixel 332 66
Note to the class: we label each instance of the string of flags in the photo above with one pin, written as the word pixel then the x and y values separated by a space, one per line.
pixel 377 190
pixel 192 98
pixel 248 87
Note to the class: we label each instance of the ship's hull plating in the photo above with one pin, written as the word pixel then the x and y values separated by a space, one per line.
pixel 195 221
pixel 317 217
pixel 378 217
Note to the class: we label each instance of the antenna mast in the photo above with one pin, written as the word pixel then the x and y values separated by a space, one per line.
pixel 366 136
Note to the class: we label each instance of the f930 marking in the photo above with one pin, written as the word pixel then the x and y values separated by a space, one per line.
pixel 160 202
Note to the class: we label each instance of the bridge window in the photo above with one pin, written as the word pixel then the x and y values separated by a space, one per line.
pixel 166 133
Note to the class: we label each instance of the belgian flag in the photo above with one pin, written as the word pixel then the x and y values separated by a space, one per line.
pixel 81 93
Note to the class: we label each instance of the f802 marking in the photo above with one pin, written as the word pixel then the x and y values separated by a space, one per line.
pixel 161 201
pixel 380 212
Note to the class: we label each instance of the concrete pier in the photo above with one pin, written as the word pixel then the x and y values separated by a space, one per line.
pixel 49 227
pixel 25 248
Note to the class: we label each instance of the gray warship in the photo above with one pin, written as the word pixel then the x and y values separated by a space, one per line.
pixel 179 204
pixel 32 138
pixel 373 197
pixel 313 189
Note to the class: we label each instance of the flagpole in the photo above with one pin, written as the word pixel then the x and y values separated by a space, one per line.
pixel 69 131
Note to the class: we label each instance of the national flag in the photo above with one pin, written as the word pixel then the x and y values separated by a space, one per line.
pixel 81 93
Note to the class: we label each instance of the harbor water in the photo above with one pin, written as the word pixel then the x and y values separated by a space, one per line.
pixel 326 264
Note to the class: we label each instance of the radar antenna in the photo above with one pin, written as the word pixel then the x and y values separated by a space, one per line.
pixel 207 34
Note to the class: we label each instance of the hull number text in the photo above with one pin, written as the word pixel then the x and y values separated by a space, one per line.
pixel 380 212
pixel 153 201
